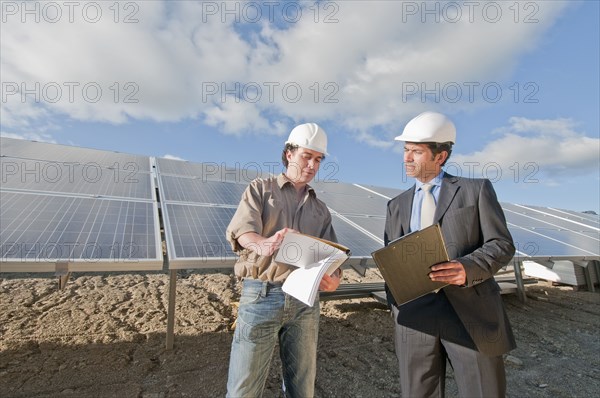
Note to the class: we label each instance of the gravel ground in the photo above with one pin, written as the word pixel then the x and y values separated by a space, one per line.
pixel 104 336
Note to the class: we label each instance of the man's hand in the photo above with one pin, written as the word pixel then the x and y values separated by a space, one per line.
pixel 330 283
pixel 261 245
pixel 452 272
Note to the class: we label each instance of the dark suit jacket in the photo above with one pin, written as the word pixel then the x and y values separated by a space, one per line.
pixel 475 231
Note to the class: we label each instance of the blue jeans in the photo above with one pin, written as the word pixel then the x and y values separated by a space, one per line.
pixel 266 316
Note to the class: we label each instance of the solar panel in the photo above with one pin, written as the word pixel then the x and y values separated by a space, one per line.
pixel 348 199
pixel 570 214
pixel 182 168
pixel 184 189
pixel 535 244
pixel 340 188
pixel 196 235
pixel 214 171
pixel 40 230
pixel 78 157
pixel 587 218
pixel 373 224
pixel 196 210
pixel 88 178
pixel 387 192
pixel 360 243
pixel 354 205
pixel 569 220
pixel 592 217
pixel 549 228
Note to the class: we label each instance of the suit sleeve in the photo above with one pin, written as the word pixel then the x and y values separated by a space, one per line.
pixel 387 238
pixel 497 247
pixel 387 230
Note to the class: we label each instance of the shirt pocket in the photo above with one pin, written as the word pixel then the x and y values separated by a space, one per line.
pixel 273 215
pixel 273 204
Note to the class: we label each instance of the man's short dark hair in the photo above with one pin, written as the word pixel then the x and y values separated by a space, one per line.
pixel 288 147
pixel 437 147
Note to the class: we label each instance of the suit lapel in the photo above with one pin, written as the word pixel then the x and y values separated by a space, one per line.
pixel 406 210
pixel 447 193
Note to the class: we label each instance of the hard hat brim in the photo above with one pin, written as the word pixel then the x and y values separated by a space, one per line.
pixel 409 138
pixel 312 148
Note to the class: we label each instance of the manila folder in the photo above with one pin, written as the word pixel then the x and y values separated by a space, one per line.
pixel 405 263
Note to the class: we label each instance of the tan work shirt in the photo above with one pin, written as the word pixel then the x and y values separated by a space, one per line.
pixel 268 205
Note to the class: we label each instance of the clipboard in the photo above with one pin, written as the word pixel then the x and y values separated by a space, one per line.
pixel 405 263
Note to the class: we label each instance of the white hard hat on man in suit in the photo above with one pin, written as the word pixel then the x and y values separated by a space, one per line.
pixel 429 127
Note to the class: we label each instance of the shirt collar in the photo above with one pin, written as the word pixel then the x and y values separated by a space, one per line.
pixel 435 181
pixel 282 181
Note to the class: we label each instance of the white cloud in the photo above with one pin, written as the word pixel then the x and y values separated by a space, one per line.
pixel 552 148
pixel 350 62
pixel 237 118
pixel 110 72
pixel 371 140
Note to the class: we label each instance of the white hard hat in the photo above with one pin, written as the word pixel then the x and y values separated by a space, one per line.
pixel 310 136
pixel 429 127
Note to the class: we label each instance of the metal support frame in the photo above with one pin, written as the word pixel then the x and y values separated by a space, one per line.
pixel 61 270
pixel 596 265
pixel 361 267
pixel 519 280
pixel 171 309
pixel 587 273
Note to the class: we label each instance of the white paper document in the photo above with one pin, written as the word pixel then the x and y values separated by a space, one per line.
pixel 314 258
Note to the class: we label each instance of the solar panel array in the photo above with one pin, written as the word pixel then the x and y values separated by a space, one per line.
pixel 98 210
pixel 83 209
pixel 39 175
pixel 22 149
pixel 545 233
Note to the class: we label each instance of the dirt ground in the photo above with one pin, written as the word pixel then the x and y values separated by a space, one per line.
pixel 104 336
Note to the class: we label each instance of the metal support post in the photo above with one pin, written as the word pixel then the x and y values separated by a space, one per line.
pixel 519 279
pixel 171 309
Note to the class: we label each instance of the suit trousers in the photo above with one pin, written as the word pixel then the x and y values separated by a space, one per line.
pixel 422 360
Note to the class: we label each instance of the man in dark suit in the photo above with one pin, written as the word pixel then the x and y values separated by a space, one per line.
pixel 465 322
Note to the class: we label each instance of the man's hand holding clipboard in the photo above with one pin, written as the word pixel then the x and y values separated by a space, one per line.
pixel 406 264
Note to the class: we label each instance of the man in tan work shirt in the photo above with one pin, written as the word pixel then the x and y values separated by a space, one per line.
pixel 266 316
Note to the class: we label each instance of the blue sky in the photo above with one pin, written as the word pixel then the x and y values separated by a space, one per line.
pixel 225 83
